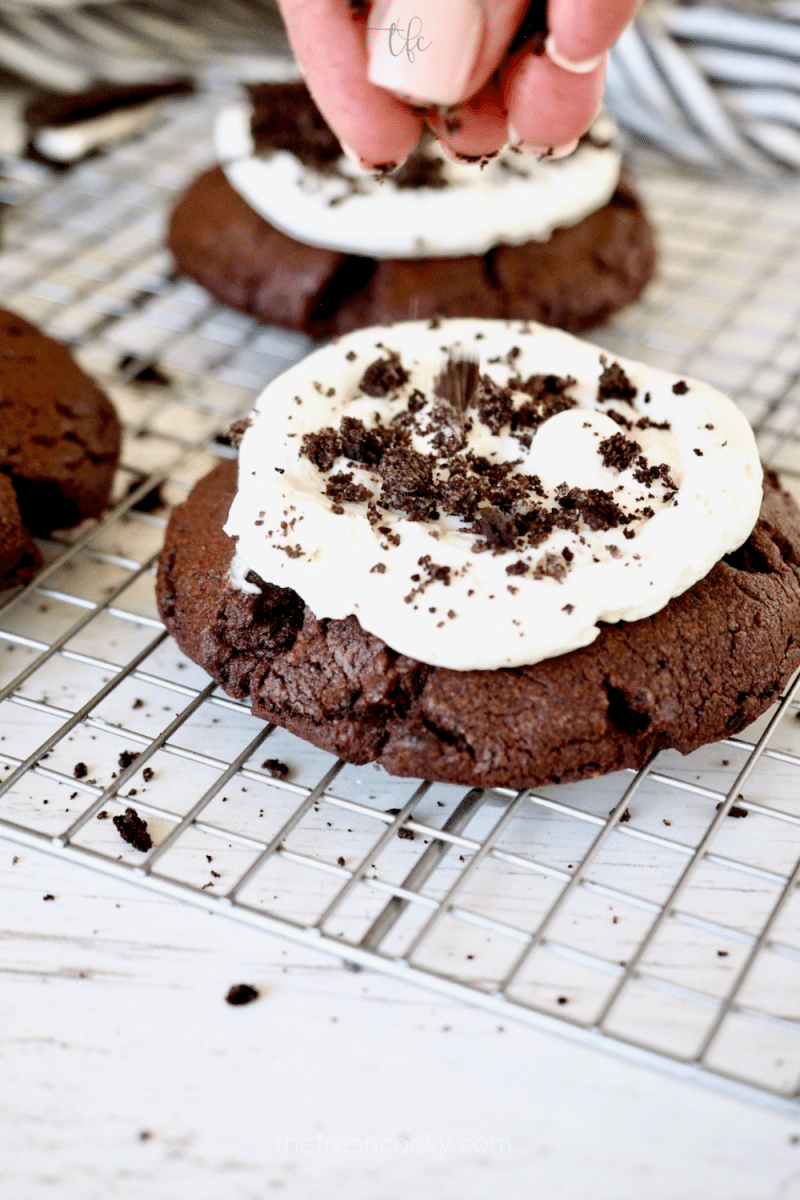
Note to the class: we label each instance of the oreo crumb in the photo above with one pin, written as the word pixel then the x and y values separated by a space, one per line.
pixel 408 834
pixel 102 816
pixel 133 830
pixel 285 117
pixel 618 452
pixel 384 377
pixel 378 569
pixel 322 448
pixel 147 774
pixel 127 758
pixel 680 388
pixel 614 384
pixel 420 170
pixel 49 896
pixel 340 861
pixel 241 993
pixel 735 810
pixel 80 770
pixel 342 487
pixel 233 435
pixel 275 768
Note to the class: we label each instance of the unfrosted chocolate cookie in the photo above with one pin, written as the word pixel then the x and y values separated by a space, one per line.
pixel 701 669
pixel 576 280
pixel 59 444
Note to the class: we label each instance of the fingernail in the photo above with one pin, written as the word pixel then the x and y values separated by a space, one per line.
pixel 568 64
pixel 516 142
pixel 425 51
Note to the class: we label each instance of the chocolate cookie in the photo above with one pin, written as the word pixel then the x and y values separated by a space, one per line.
pixel 59 444
pixel 701 669
pixel 577 279
pixel 19 557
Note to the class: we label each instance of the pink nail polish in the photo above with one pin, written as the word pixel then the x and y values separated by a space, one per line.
pixel 424 51
pixel 568 64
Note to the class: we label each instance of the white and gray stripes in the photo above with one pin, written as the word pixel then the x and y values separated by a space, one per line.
pixel 712 84
pixel 66 46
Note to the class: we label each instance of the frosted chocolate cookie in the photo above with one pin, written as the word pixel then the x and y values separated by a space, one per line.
pixel 286 230
pixel 59 444
pixel 484 553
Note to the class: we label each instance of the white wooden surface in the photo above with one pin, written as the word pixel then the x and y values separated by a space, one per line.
pixel 113 1025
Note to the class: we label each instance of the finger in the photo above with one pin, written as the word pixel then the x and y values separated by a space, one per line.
pixel 582 29
pixel 332 51
pixel 475 128
pixel 440 52
pixel 549 107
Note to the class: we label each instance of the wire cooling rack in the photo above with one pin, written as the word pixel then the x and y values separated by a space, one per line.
pixel 635 912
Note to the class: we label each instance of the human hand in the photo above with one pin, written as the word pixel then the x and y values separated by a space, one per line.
pixel 379 73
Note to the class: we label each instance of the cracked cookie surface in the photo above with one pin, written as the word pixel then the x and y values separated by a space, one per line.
pixel 703 668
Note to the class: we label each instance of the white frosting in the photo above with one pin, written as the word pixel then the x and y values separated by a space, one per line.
pixel 68 143
pixel 500 620
pixel 515 198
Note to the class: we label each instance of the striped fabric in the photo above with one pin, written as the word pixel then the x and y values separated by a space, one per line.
pixel 66 46
pixel 712 84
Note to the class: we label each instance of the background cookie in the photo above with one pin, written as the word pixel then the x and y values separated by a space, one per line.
pixel 701 669
pixel 577 279
pixel 59 439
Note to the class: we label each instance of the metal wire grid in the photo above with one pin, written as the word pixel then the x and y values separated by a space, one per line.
pixel 631 913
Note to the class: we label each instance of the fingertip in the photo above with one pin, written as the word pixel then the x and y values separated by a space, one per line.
pixel 583 29
pixel 474 129
pixel 331 49
pixel 548 106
